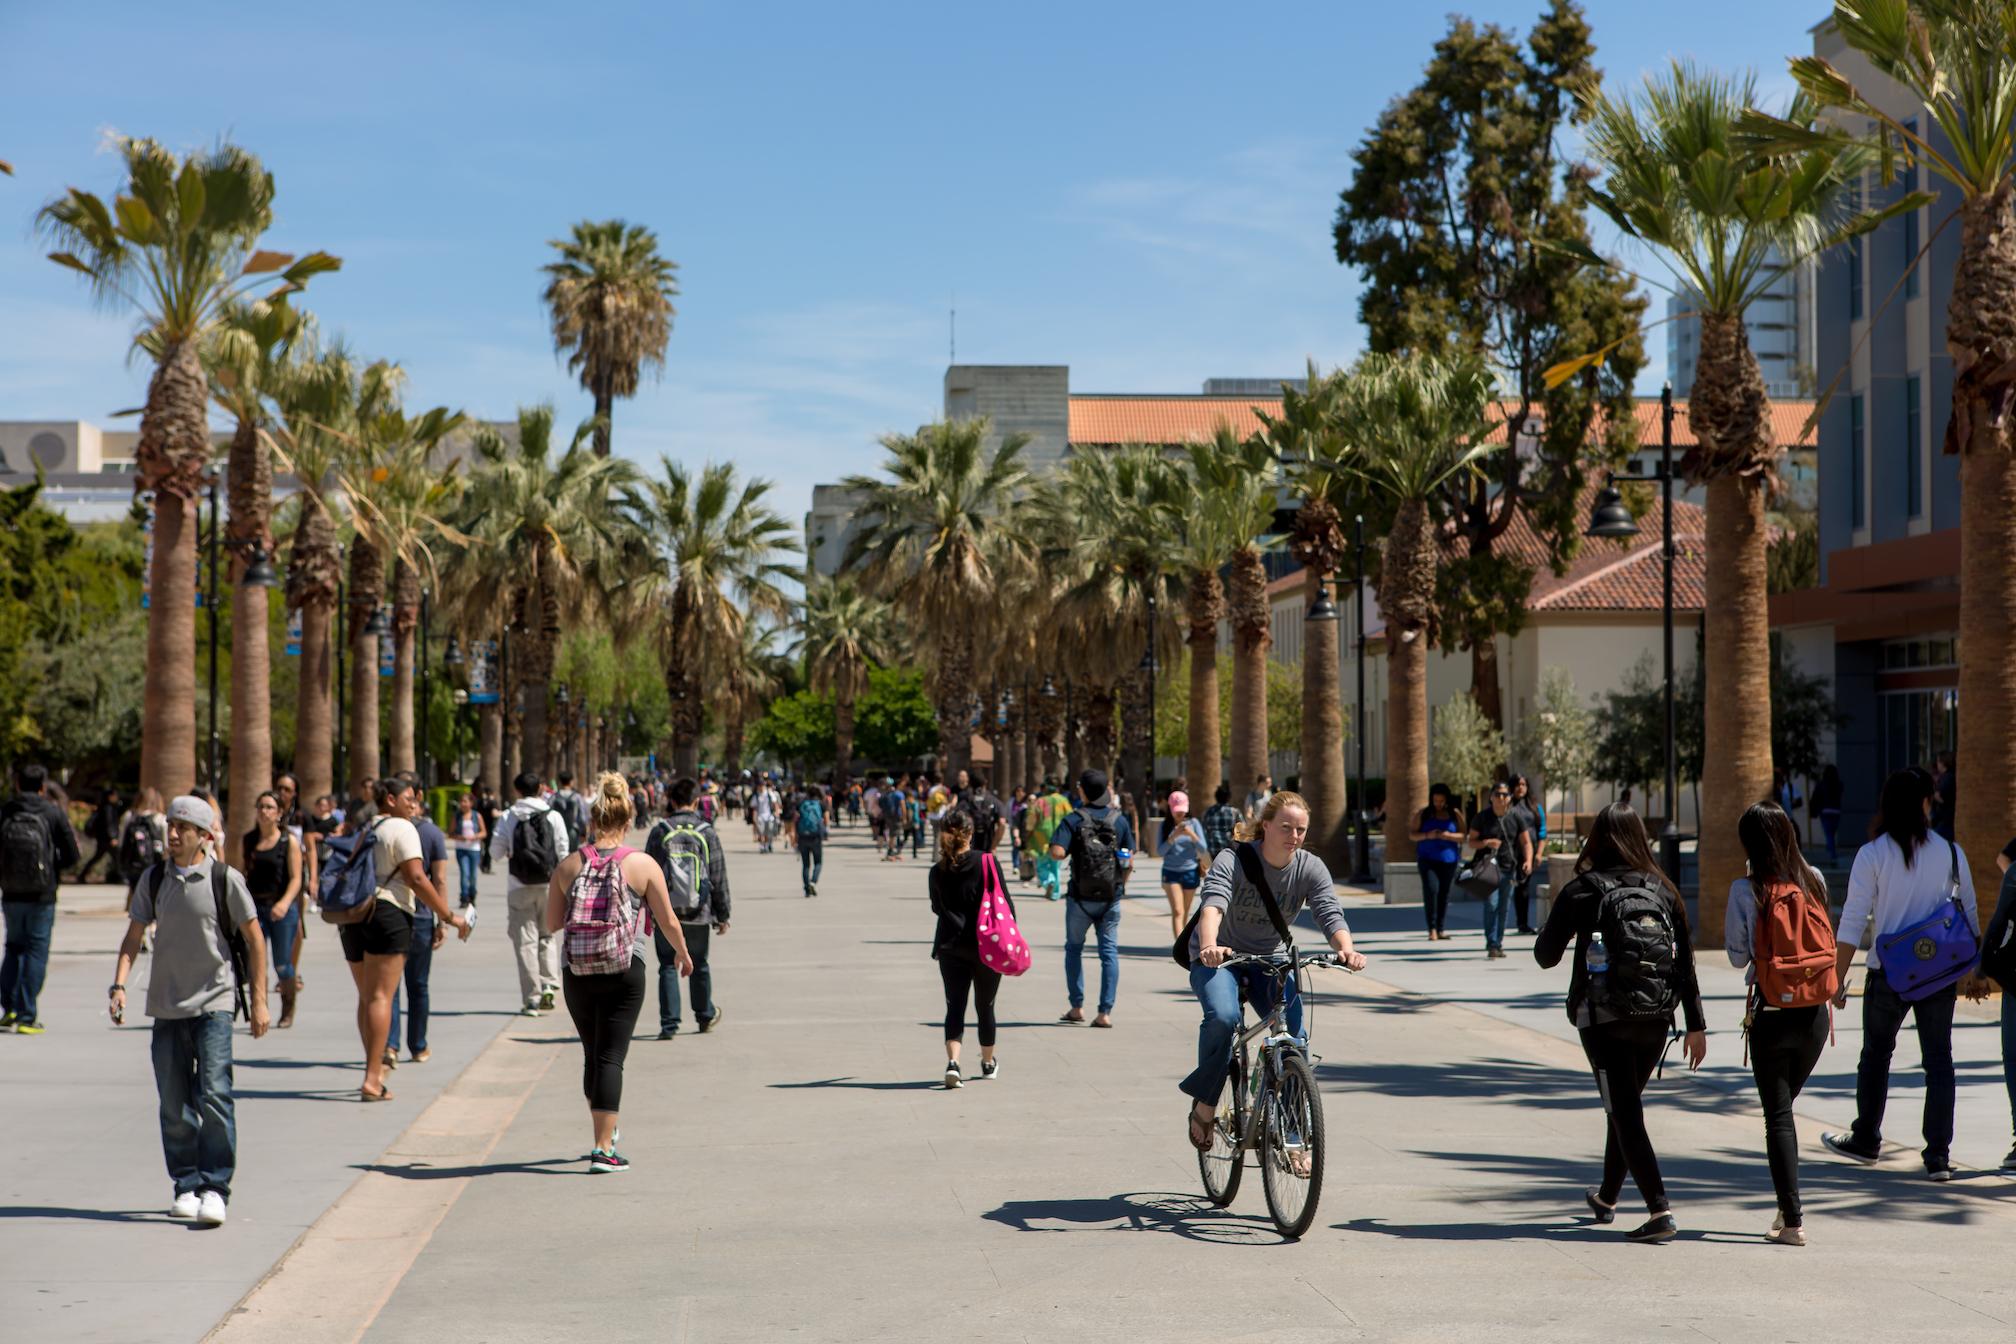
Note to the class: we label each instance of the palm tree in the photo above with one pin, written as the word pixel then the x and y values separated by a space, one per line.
pixel 1713 210
pixel 721 551
pixel 177 245
pixel 939 532
pixel 1414 424
pixel 247 356
pixel 843 632
pixel 753 676
pixel 611 300
pixel 547 527
pixel 1957 60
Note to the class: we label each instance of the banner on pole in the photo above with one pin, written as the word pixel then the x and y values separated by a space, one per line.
pixel 294 633
pixel 388 652
pixel 485 679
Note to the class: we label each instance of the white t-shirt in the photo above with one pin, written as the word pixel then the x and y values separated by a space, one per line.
pixel 766 804
pixel 398 841
pixel 1880 884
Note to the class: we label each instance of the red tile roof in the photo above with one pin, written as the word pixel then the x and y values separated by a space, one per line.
pixel 1787 419
pixel 1171 419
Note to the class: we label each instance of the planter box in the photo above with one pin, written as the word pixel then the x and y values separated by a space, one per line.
pixel 1402 884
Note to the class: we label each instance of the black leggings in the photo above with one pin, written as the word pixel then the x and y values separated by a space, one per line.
pixel 1785 1044
pixel 961 975
pixel 604 1009
pixel 1623 1056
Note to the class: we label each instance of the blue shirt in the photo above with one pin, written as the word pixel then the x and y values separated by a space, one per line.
pixel 1183 849
pixel 1437 851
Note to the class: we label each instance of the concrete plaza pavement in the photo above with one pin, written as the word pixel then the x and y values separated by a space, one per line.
pixel 799 1172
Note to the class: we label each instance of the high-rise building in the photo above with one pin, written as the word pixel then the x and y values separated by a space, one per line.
pixel 1781 326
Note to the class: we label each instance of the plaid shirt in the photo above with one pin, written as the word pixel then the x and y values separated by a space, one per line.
pixel 1219 819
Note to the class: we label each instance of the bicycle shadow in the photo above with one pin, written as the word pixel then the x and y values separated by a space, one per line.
pixel 1191 1217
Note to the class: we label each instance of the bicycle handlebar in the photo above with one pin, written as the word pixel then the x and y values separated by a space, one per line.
pixel 1279 967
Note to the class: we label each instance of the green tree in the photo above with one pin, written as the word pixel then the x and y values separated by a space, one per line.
pixel 1459 200
pixel 894 723
pixel 843 635
pixel 796 730
pixel 1558 739
pixel 1467 748
pixel 177 246
pixel 610 299
pixel 1631 731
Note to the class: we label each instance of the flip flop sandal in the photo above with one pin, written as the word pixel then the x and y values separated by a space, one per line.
pixel 1203 1144
pixel 366 1094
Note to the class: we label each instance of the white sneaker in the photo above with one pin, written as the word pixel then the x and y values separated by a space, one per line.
pixel 210 1209
pixel 184 1207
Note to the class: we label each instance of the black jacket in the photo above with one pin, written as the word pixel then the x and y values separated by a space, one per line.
pixel 64 839
pixel 1573 915
pixel 955 898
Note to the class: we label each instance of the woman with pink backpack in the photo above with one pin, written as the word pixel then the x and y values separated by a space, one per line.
pixel 602 901
pixel 977 940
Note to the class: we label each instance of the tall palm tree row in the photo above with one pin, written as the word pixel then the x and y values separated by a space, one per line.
pixel 177 245
pixel 939 534
pixel 1727 219
pixel 609 297
pixel 1957 60
pixel 843 633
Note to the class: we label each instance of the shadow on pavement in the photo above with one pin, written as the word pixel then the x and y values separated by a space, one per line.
pixel 1188 1216
pixel 298 1094
pixel 919 1085
pixel 86 1215
pixel 1587 1231
pixel 421 1171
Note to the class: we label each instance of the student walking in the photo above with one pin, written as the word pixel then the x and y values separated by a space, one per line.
pixel 764 809
pixel 1496 835
pixel 1220 822
pixel 1634 962
pixel 1235 920
pixel 1906 875
pixel 273 874
pixel 957 883
pixel 1099 842
pixel 689 853
pixel 470 831
pixel 531 839
pixel 1827 796
pixel 1183 849
pixel 198 905
pixel 811 835
pixel 417 975
pixel 1437 851
pixel 1778 929
pixel 1532 814
pixel 1046 813
pixel 597 902
pixel 36 845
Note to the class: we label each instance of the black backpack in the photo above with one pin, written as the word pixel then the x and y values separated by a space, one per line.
pixel 1095 857
pixel 1634 914
pixel 27 854
pixel 235 950
pixel 533 855
pixel 139 847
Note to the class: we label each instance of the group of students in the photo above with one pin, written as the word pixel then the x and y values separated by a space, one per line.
pixel 1504 836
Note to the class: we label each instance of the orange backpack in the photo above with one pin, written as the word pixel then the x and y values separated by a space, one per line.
pixel 1794 948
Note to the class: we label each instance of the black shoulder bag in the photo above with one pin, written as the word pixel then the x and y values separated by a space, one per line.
pixel 1249 865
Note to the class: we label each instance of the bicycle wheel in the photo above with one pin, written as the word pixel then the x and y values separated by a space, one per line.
pixel 1291 1145
pixel 1224 1161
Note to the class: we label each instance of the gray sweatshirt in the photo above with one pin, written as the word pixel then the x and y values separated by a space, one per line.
pixel 1245 926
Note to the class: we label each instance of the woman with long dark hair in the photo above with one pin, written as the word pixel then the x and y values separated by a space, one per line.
pixel 1634 963
pixel 1904 876
pixel 1785 1042
pixel 957 884
pixel 1438 848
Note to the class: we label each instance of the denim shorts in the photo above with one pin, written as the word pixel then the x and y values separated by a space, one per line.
pixel 1187 878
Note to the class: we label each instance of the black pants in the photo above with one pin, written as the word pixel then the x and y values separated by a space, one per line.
pixel 962 975
pixel 604 1009
pixel 1623 1056
pixel 1436 880
pixel 1785 1044
pixel 1883 1014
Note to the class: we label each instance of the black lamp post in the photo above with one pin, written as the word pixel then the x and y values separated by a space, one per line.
pixel 1323 610
pixel 1148 665
pixel 426 756
pixel 1609 518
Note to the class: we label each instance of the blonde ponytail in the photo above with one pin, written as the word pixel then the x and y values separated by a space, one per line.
pixel 611 810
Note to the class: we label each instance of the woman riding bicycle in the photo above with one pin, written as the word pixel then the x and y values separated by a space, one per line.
pixel 1234 920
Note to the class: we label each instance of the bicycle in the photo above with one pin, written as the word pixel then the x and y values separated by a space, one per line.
pixel 1274 1110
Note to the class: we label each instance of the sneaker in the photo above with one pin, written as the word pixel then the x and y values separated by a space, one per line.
pixel 2009 1162
pixel 1942 1173
pixel 667 1033
pixel 1659 1227
pixel 1781 1235
pixel 952 1078
pixel 1603 1213
pixel 990 1068
pixel 545 1000
pixel 210 1209
pixel 609 1163
pixel 1844 1144
pixel 711 1023
pixel 7 1022
pixel 34 1028
pixel 531 1009
pixel 183 1210
pixel 812 889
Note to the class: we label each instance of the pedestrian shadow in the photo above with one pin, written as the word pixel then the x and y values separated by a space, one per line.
pixel 564 1040
pixel 1588 1230
pixel 265 1063
pixel 84 1215
pixel 1191 1217
pixel 297 1094
pixel 863 1084
pixel 472 1012
pixel 422 1171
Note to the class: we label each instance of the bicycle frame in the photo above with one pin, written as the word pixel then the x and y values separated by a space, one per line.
pixel 1271 1031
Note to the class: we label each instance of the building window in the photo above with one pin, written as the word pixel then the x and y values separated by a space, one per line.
pixel 1914 487
pixel 1854 279
pixel 1857 516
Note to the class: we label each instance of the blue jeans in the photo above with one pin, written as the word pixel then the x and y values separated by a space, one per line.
pixel 700 985
pixel 811 858
pixel 280 939
pixel 466 860
pixel 1495 902
pixel 1883 1014
pixel 26 961
pixel 1077 924
pixel 1218 991
pixel 199 1128
pixel 419 964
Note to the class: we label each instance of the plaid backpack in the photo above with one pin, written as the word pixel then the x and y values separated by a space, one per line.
pixel 603 923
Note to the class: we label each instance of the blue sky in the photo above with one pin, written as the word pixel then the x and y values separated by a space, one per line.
pixel 1141 191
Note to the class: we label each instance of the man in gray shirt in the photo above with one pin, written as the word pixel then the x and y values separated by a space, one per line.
pixel 191 993
pixel 1233 920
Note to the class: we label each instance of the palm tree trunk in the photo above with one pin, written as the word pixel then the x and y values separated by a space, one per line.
pixel 251 487
pixel 314 726
pixel 1098 726
pixel 1247 597
pixel 843 737
pixel 952 698
pixel 1201 763
pixel 490 747
pixel 405 631
pixel 1407 599
pixel 1323 737
pixel 1136 765
pixel 1484 681
pixel 605 407
pixel 174 445
pixel 367 581
pixel 1736 685
pixel 733 730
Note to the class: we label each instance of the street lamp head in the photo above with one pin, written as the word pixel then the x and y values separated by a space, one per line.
pixel 560 696
pixel 1049 689
pixel 1609 519
pixel 1322 609
pixel 379 623
pixel 452 655
pixel 259 571
pixel 461 696
pixel 1148 663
